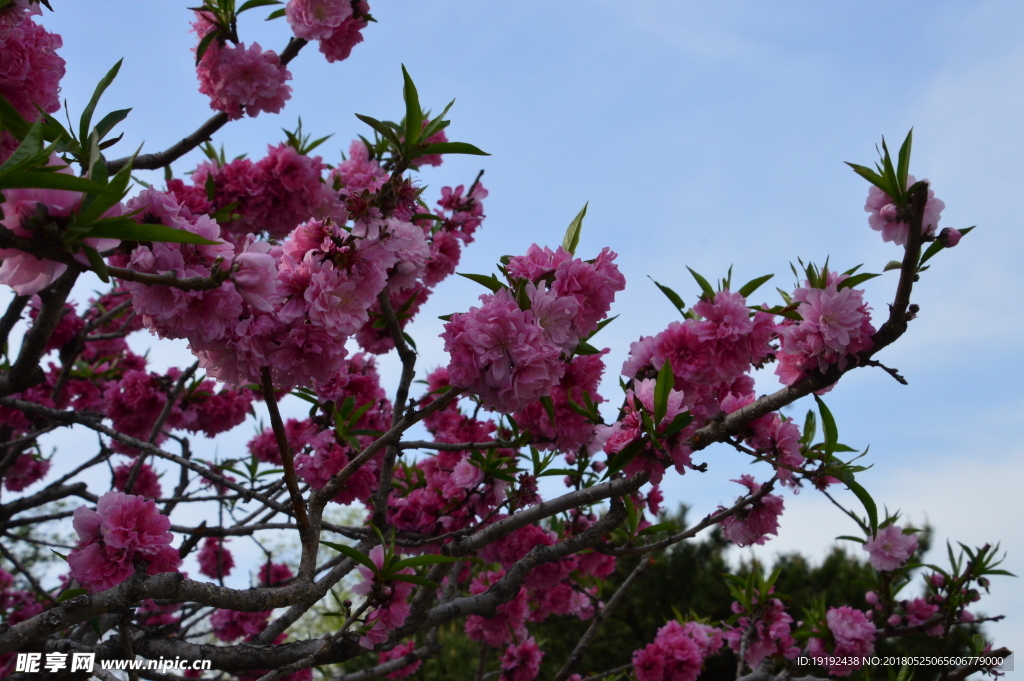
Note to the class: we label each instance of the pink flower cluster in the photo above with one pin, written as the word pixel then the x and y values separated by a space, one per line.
pixel 337 24
pixel 836 326
pixel 215 560
pixel 521 662
pixel 397 653
pixel 885 215
pixel 770 627
pixel 568 430
pixel 851 635
pixel 710 354
pixel 26 470
pixel 238 79
pixel 271 196
pixel 677 653
pixel 775 436
pixel 147 483
pixel 30 69
pixel 389 599
pixel 630 429
pixel 755 522
pixel 511 357
pixel 890 548
pixel 231 625
pixel 25 212
pixel 123 530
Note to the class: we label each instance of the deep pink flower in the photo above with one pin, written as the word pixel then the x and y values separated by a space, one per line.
pixel 853 636
pixel 123 530
pixel 147 483
pixel 755 522
pixel 30 70
pixel 521 662
pixel 317 19
pixel 890 548
pixel 338 46
pixel 501 354
pixel 390 600
pixel 770 633
pixel 215 561
pixel 275 574
pixel 397 653
pixel 243 80
pixel 509 621
pixel 230 625
pixel 677 653
pixel 26 470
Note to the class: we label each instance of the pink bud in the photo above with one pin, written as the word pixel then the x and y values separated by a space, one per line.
pixel 894 620
pixel 966 616
pixel 937 580
pixel 889 212
pixel 871 597
pixel 949 237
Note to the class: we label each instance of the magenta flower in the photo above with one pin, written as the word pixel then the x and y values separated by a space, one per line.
pixel 890 548
pixel 215 561
pixel 390 600
pixel 317 19
pixel 501 354
pixel 26 470
pixel 147 483
pixel 230 625
pixel 521 662
pixel 123 530
pixel 338 45
pixel 397 653
pixel 677 653
pixel 853 636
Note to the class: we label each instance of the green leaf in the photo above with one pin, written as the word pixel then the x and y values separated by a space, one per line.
pixel 903 164
pixel 205 43
pixel 585 348
pixel 39 179
pixel 452 148
pixel 753 285
pixel 680 421
pixel 129 230
pixel 660 527
pixel 873 177
pixel 890 175
pixel 360 558
pixel 276 14
pixel 894 264
pixel 705 287
pixel 420 561
pixel 490 282
pixel 620 460
pixel 108 122
pixel 672 296
pixel 413 113
pixel 666 381
pixel 96 261
pixel 549 407
pixel 13 122
pixel 384 130
pixel 86 120
pixel 572 235
pixel 810 428
pixel 847 537
pixel 828 424
pixel 415 579
pixel 59 555
pixel 437 124
pixel 866 500
pixel 70 593
pixel 253 4
pixel 855 280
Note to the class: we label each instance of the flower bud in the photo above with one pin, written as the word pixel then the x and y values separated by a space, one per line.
pixel 894 620
pixel 937 580
pixel 871 597
pixel 949 237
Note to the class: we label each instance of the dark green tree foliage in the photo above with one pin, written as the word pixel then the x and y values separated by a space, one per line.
pixel 688 579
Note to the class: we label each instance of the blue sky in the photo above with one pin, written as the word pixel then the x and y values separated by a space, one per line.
pixel 703 135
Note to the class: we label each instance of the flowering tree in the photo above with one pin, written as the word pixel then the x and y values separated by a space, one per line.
pixel 274 270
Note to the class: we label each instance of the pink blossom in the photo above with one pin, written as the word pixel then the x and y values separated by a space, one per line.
pixel 389 599
pixel 884 215
pixel 919 611
pixel 30 70
pixel 317 19
pixel 215 561
pixel 677 653
pixel 230 625
pixel 397 653
pixel 509 619
pixel 122 530
pixel 275 574
pixel 754 522
pixel 501 354
pixel 890 548
pixel 537 263
pixel 593 284
pixel 770 633
pixel 521 662
pixel 26 470
pixel 338 46
pixel 358 171
pixel 239 79
pixel 853 636
pixel 146 484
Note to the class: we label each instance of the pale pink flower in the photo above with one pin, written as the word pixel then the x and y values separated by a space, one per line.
pixel 123 530
pixel 317 19
pixel 755 522
pixel 884 216
pixel 890 548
